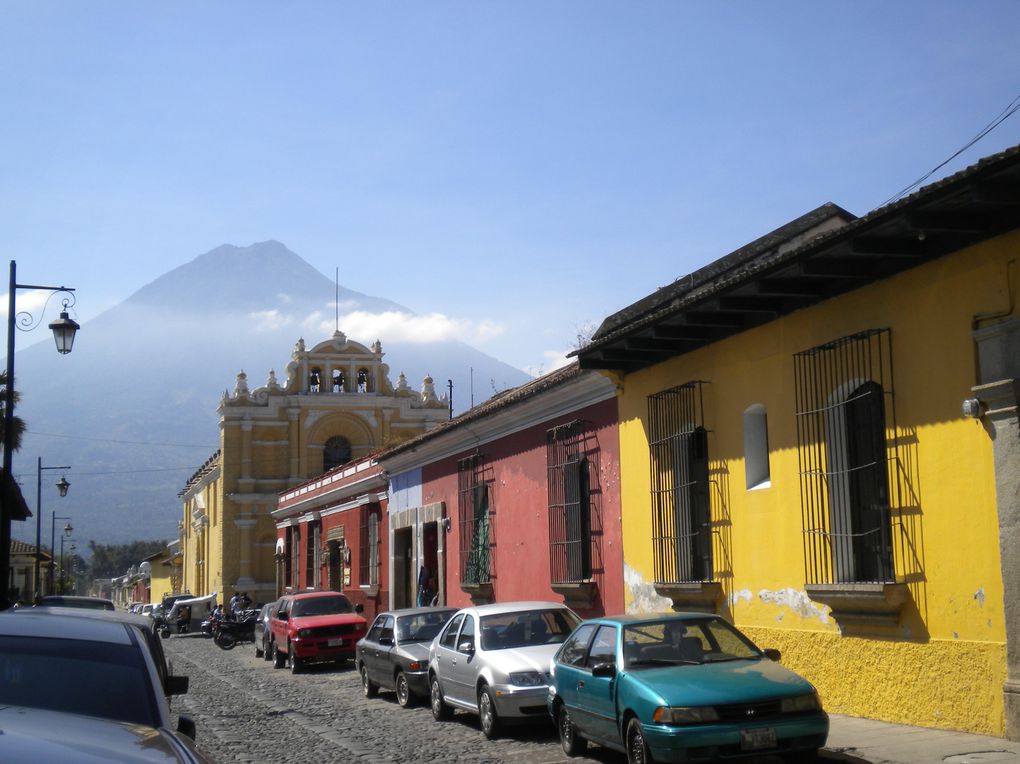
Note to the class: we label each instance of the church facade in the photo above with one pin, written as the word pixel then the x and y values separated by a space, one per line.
pixel 336 405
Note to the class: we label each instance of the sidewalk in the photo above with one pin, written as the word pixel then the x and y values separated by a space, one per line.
pixel 856 740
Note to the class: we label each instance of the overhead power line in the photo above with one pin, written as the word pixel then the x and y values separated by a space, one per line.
pixel 1005 114
pixel 122 442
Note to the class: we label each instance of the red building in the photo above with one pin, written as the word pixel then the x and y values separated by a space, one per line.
pixel 331 534
pixel 517 499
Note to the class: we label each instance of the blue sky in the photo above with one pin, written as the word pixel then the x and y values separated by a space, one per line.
pixel 515 170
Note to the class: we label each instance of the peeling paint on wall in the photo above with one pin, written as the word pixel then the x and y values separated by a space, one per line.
pixel 797 601
pixel 641 595
pixel 744 595
pixel 979 595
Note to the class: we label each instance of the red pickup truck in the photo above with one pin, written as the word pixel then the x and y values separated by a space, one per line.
pixel 313 627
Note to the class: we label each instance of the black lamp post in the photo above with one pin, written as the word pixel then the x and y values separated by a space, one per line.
pixel 63 565
pixel 62 486
pixel 53 545
pixel 64 329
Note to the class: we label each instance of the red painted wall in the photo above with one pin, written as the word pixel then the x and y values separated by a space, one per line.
pixel 520 497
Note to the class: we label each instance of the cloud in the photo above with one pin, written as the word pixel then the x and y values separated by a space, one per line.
pixel 269 320
pixel 553 359
pixel 395 326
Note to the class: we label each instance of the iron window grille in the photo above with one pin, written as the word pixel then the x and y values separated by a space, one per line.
pixel 844 394
pixel 477 521
pixel 368 554
pixel 575 496
pixel 681 512
pixel 311 542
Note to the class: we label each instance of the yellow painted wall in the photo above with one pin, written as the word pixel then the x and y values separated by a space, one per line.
pixel 159 582
pixel 944 664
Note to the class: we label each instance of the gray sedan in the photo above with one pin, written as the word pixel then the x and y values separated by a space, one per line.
pixel 395 652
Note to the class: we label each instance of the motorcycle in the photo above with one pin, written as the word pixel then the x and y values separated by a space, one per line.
pixel 228 633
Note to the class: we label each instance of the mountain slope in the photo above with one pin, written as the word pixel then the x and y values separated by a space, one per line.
pixel 133 408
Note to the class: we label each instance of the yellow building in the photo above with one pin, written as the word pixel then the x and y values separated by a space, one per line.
pixel 819 440
pixel 337 405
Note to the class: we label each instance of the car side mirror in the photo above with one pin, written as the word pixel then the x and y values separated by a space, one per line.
pixel 467 646
pixel 186 726
pixel 359 608
pixel 176 685
pixel 282 616
pixel 772 654
pixel 603 669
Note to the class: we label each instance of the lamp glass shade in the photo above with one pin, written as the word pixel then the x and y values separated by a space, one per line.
pixel 68 530
pixel 64 329
pixel 62 486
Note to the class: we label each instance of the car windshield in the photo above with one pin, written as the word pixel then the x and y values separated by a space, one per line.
pixel 523 629
pixel 422 627
pixel 101 679
pixel 675 641
pixel 322 606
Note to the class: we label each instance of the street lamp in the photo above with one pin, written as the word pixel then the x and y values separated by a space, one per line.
pixel 63 330
pixel 63 564
pixel 62 486
pixel 53 544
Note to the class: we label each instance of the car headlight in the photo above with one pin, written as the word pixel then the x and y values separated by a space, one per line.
pixel 800 703
pixel 527 678
pixel 304 632
pixel 684 715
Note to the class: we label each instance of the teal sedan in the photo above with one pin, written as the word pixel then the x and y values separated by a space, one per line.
pixel 680 687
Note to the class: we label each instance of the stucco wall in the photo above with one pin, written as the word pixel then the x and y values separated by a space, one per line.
pixel 943 664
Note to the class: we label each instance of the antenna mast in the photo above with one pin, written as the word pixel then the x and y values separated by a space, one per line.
pixel 336 302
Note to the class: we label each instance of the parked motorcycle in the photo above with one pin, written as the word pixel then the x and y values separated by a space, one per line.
pixel 230 632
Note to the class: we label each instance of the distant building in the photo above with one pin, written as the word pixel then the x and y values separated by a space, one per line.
pixel 22 584
pixel 336 405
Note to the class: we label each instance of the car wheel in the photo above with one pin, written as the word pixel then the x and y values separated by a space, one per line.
pixel 368 687
pixel 403 691
pixel 267 650
pixel 258 650
pixel 294 663
pixel 279 659
pixel 637 748
pixel 487 713
pixel 573 744
pixel 440 710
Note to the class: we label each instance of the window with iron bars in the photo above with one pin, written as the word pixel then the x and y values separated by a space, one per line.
pixel 368 554
pixel 477 515
pixel 311 543
pixel 844 393
pixel 574 518
pixel 681 512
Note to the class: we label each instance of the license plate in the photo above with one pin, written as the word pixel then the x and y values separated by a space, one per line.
pixel 756 739
pixel 335 642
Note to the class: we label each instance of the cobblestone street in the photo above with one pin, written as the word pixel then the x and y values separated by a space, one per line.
pixel 248 712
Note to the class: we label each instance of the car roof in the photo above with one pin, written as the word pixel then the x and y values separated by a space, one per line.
pixel 58 625
pixel 405 611
pixel 498 608
pixel 313 595
pixel 630 620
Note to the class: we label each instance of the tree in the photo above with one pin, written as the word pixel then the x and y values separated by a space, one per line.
pixel 112 560
pixel 19 424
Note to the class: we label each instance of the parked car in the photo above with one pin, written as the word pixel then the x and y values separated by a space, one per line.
pixel 394 654
pixel 313 627
pixel 172 684
pixel 146 610
pixel 65 600
pixel 680 687
pixel 262 633
pixel 91 666
pixel 493 660
pixel 33 735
